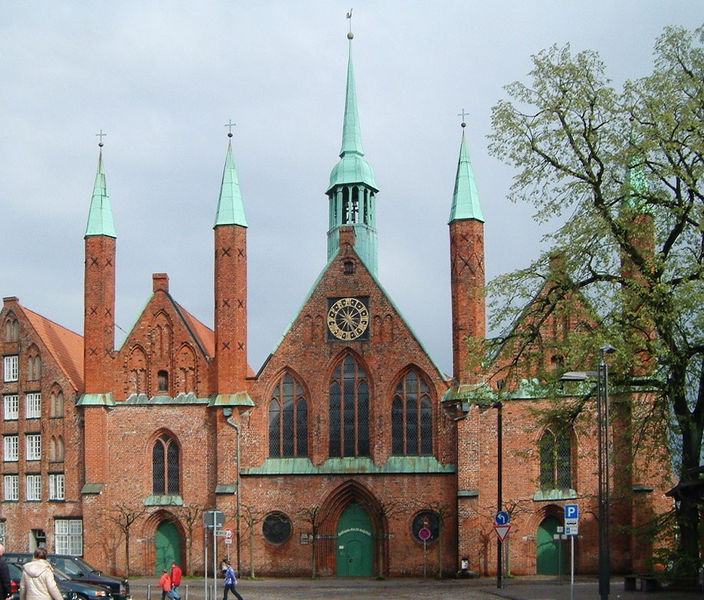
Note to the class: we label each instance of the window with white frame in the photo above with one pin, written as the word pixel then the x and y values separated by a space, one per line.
pixel 2 532
pixel 57 486
pixel 34 446
pixel 33 406
pixel 11 368
pixel 11 406
pixel 34 488
pixel 12 487
pixel 68 536
pixel 11 448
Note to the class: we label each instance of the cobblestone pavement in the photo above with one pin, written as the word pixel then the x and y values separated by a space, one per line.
pixel 523 588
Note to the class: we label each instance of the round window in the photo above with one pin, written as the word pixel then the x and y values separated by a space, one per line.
pixel 277 528
pixel 426 526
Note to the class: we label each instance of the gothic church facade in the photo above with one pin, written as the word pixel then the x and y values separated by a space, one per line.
pixel 347 453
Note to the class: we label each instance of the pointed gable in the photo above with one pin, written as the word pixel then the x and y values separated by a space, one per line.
pixel 65 346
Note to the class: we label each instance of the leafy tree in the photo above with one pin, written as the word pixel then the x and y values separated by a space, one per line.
pixel 623 169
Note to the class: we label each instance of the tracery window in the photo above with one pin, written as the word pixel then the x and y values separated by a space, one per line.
pixel 288 419
pixel 12 330
pixel 349 410
pixel 412 417
pixel 165 466
pixel 556 459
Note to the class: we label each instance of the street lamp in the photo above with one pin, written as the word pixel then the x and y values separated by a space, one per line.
pixel 604 462
pixel 602 407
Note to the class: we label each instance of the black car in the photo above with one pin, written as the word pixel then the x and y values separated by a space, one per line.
pixel 16 575
pixel 78 570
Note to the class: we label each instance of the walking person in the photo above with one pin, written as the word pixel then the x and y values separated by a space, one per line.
pixel 5 583
pixel 38 581
pixel 230 581
pixel 176 575
pixel 165 585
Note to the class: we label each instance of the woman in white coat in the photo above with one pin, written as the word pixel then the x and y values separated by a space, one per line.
pixel 38 581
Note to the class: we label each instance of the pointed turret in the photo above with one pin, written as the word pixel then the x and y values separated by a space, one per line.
pixel 100 214
pixel 467 267
pixel 230 285
pixel 230 205
pixel 98 328
pixel 465 199
pixel 352 186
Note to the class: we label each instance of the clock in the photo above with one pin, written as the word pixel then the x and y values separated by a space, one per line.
pixel 348 318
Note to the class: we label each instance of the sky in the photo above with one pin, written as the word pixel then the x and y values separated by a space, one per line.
pixel 163 78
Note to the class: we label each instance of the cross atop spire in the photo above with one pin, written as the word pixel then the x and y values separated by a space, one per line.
pixel 229 126
pixel 100 135
pixel 350 35
pixel 463 114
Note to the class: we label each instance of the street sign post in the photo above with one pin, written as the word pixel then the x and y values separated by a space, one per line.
pixel 502 531
pixel 572 529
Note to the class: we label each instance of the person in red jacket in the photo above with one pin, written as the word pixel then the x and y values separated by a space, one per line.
pixel 165 585
pixel 175 581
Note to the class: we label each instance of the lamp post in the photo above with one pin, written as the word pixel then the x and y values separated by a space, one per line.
pixel 603 469
pixel 499 479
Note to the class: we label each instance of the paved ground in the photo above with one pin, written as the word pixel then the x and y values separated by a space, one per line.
pixel 524 588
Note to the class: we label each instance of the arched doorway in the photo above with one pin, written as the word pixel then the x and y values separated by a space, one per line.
pixel 551 551
pixel 355 543
pixel 168 546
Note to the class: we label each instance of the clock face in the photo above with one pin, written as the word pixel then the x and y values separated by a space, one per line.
pixel 348 319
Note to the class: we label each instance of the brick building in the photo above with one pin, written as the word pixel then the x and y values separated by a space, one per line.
pixel 348 452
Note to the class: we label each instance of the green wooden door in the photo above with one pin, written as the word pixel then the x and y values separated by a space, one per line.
pixel 168 547
pixel 551 552
pixel 355 543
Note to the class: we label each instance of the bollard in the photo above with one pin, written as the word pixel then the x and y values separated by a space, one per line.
pixel 149 591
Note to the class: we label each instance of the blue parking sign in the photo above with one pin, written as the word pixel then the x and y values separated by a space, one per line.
pixel 571 512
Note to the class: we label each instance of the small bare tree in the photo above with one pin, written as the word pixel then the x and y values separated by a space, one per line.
pixel 251 517
pixel 444 512
pixel 384 510
pixel 188 515
pixel 315 517
pixel 124 516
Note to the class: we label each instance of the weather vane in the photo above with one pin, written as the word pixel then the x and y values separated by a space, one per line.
pixel 350 35
pixel 463 114
pixel 229 126
pixel 100 135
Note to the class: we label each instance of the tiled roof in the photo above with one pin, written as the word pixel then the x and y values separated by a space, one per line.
pixel 64 345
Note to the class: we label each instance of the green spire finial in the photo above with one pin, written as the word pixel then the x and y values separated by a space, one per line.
pixel 465 199
pixel 100 214
pixel 230 206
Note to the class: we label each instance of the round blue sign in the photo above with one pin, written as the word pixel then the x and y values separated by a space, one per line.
pixel 502 518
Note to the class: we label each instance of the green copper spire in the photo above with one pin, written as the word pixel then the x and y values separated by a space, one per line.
pixel 636 181
pixel 465 199
pixel 230 205
pixel 100 215
pixel 352 190
pixel 352 167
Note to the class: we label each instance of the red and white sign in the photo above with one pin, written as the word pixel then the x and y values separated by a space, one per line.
pixel 502 531
pixel 228 534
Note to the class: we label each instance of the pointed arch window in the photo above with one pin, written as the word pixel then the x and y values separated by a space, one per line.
pixel 12 330
pixel 288 419
pixel 556 459
pixel 349 410
pixel 165 466
pixel 412 417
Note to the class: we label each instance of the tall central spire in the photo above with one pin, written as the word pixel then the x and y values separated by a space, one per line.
pixel 352 186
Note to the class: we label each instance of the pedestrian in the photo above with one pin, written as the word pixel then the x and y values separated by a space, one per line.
pixel 38 581
pixel 5 583
pixel 165 585
pixel 230 581
pixel 175 581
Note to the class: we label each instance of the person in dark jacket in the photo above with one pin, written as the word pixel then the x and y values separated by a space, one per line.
pixel 5 583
